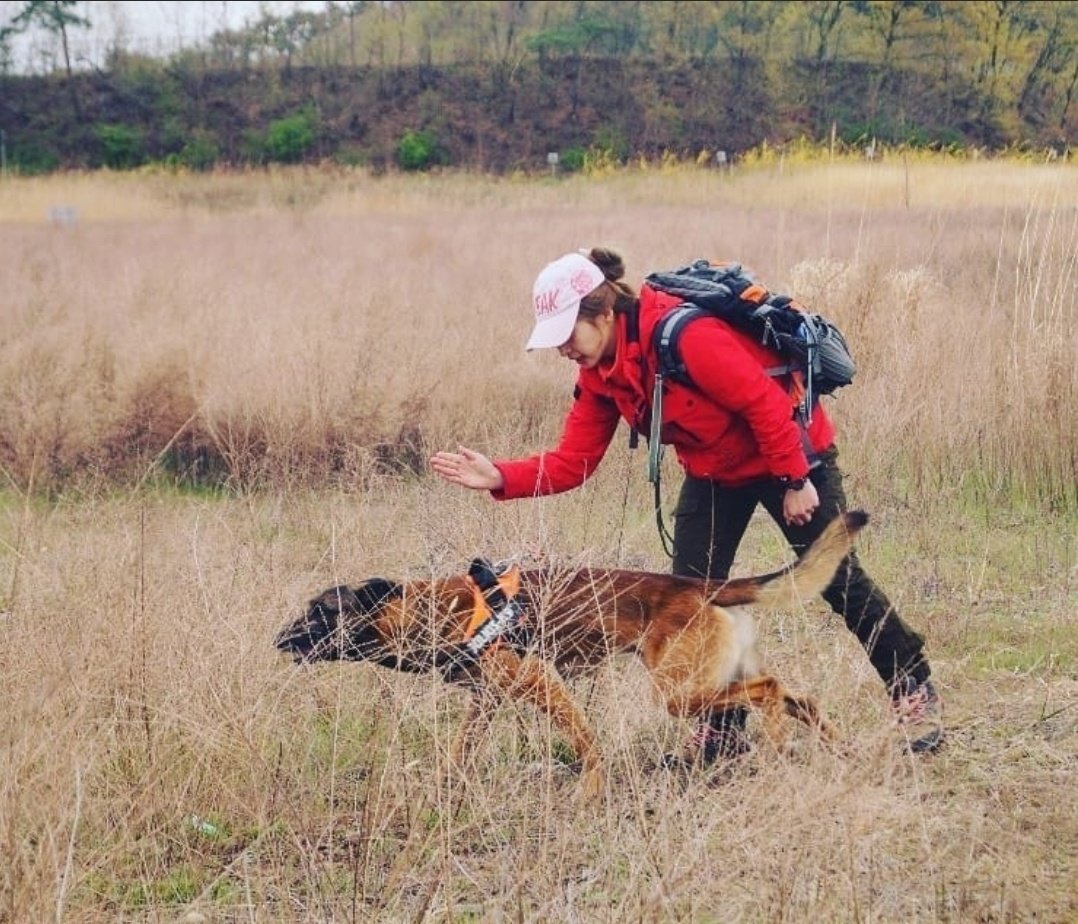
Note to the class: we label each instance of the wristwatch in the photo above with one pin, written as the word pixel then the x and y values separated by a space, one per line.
pixel 792 484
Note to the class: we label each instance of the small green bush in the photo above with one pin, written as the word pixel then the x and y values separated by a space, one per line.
pixel 199 153
pixel 593 157
pixel 288 139
pixel 31 158
pixel 420 150
pixel 610 144
pixel 572 160
pixel 121 146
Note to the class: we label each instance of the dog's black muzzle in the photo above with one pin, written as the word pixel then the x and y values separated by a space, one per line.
pixel 300 646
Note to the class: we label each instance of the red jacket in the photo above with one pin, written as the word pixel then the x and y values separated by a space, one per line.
pixel 733 425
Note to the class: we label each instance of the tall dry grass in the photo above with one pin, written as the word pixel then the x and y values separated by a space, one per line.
pixel 314 335
pixel 294 327
pixel 158 759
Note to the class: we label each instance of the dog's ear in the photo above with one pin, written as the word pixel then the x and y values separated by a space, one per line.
pixel 373 593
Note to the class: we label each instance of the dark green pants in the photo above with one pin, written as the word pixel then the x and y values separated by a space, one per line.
pixel 711 520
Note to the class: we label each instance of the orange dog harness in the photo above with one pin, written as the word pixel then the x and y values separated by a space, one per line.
pixel 495 609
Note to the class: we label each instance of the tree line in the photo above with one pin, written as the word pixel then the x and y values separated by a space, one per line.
pixel 987 72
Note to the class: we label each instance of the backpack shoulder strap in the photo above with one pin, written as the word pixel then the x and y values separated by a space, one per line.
pixel 632 324
pixel 666 336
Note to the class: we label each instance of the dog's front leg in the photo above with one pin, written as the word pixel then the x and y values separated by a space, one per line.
pixel 477 718
pixel 535 681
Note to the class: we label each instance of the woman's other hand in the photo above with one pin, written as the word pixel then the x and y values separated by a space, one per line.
pixel 799 506
pixel 467 468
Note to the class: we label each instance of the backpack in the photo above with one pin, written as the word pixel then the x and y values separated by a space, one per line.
pixel 817 358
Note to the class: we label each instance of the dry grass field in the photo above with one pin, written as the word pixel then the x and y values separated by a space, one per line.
pixel 217 395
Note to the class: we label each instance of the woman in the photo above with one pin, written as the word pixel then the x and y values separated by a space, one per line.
pixel 737 440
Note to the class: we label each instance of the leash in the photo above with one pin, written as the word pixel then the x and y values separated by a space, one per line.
pixel 655 458
pixel 655 448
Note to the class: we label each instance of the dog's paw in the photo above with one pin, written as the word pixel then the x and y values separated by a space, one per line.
pixel 592 783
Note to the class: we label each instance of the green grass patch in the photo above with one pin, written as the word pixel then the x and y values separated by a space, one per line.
pixel 1044 648
pixel 343 742
pixel 178 886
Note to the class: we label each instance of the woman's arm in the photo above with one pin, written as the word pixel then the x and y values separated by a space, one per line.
pixel 589 427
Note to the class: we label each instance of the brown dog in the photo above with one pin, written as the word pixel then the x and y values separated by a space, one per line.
pixel 696 639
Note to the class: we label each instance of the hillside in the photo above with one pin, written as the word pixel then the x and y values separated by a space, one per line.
pixel 482 116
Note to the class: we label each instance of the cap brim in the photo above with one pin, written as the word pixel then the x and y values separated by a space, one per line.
pixel 553 331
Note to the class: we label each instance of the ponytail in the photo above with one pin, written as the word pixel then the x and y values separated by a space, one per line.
pixel 613 269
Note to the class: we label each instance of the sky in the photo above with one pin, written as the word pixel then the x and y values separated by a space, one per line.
pixel 156 27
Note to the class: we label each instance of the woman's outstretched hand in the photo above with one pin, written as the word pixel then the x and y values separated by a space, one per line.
pixel 467 468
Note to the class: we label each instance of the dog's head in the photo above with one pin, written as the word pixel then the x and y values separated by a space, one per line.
pixel 340 624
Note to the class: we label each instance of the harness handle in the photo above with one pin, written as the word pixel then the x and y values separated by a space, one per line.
pixel 496 609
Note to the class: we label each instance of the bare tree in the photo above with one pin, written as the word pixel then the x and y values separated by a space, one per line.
pixel 1055 52
pixel 824 16
pixel 55 16
pixel 353 10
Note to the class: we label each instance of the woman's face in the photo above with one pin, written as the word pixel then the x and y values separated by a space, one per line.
pixel 592 341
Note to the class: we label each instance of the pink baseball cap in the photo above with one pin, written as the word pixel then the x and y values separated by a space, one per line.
pixel 556 298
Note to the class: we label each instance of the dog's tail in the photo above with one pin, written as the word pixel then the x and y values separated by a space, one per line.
pixel 805 578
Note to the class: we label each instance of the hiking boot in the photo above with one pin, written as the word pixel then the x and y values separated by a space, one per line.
pixel 719 739
pixel 918 710
pixel 724 742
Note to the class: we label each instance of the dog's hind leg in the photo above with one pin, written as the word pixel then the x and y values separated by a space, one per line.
pixel 535 681
pixel 771 698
